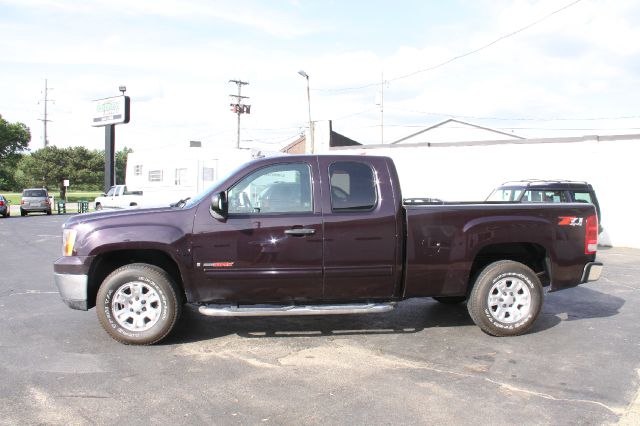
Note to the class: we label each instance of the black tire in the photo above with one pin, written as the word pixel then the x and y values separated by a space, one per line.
pixel 48 212
pixel 123 299
pixel 22 213
pixel 506 299
pixel 451 300
pixel 98 207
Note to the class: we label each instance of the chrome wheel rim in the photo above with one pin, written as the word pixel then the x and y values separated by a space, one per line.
pixel 136 306
pixel 509 300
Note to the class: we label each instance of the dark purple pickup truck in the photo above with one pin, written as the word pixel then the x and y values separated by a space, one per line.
pixel 317 235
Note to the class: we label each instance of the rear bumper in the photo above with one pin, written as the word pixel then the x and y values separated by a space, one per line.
pixel 592 272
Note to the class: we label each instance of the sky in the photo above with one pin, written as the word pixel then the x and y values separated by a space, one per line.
pixel 380 70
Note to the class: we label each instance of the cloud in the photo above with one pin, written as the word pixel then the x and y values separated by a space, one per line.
pixel 176 59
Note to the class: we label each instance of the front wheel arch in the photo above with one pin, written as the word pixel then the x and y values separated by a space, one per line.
pixel 107 262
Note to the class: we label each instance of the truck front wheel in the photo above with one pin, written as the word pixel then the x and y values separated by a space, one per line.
pixel 138 304
pixel 506 299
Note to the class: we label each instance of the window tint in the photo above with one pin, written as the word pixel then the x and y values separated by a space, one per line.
pixel 582 197
pixel 353 187
pixel 35 193
pixel 282 188
pixel 544 196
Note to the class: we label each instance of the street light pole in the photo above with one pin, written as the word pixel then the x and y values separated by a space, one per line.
pixel 305 75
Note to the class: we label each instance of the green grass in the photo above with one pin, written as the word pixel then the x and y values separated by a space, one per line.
pixel 72 197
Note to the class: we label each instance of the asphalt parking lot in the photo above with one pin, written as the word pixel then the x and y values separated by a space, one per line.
pixel 423 363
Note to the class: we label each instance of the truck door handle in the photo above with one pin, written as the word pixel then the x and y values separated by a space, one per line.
pixel 300 231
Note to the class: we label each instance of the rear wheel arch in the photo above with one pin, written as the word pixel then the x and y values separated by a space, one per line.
pixel 532 255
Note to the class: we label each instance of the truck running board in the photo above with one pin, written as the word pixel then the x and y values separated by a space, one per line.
pixel 282 310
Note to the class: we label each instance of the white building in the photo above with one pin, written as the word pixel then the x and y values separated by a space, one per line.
pixel 441 167
pixel 181 171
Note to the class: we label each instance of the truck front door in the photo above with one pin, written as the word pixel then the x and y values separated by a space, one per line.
pixel 269 249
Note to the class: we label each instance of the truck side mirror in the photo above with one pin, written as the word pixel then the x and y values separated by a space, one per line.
pixel 219 206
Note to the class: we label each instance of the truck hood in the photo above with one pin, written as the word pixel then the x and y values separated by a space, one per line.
pixel 123 215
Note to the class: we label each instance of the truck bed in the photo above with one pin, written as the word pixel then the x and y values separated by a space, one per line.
pixel 446 243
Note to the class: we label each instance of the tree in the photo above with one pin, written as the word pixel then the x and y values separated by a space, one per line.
pixel 8 167
pixel 121 164
pixel 50 166
pixel 14 137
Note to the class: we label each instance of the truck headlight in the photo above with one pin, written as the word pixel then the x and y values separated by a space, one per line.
pixel 68 241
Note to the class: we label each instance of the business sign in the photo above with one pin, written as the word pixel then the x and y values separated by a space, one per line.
pixel 111 111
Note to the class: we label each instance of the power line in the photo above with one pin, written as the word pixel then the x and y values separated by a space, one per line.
pixel 463 55
pixel 354 114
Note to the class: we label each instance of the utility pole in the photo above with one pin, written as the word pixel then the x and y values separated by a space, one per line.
pixel 238 107
pixel 46 120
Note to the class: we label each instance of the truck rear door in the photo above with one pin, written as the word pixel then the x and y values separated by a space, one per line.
pixel 362 228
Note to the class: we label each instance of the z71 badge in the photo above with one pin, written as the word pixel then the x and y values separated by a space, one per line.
pixel 569 221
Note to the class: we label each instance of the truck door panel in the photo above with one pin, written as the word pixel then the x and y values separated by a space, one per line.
pixel 361 231
pixel 270 247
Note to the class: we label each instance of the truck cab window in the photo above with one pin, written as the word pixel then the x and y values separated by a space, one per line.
pixel 281 188
pixel 544 196
pixel 353 186
pixel 582 197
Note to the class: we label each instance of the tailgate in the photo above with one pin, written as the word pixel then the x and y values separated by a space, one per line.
pixel 575 247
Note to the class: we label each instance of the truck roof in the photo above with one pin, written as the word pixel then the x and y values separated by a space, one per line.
pixel 555 183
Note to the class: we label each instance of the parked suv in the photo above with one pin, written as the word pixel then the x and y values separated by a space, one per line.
pixel 35 200
pixel 547 191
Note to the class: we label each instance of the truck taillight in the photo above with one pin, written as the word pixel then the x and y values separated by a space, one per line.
pixel 1 203
pixel 591 235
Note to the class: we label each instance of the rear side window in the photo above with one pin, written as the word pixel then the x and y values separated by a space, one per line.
pixel 582 197
pixel 544 196
pixel 353 187
pixel 34 193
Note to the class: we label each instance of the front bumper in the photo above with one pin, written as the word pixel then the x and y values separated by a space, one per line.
pixel 592 272
pixel 73 290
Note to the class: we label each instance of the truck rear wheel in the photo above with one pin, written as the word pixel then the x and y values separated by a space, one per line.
pixel 506 299
pixel 138 304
